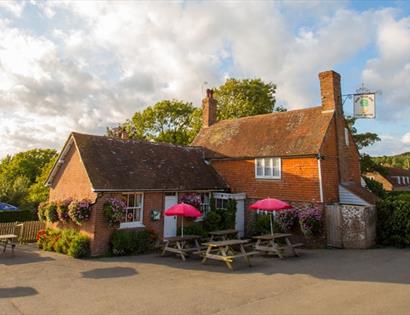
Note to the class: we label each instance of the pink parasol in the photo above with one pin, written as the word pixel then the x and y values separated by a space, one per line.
pixel 270 204
pixel 183 210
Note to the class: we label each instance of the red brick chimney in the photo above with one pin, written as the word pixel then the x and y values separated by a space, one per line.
pixel 209 109
pixel 330 91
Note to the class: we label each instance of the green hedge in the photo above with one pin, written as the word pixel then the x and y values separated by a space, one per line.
pixel 393 221
pixel 20 216
pixel 129 242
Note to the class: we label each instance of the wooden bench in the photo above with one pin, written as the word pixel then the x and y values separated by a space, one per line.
pixel 182 245
pixel 268 244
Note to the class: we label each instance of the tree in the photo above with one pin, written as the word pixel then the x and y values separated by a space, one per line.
pixel 172 121
pixel 362 140
pixel 18 173
pixel 247 97
pixel 38 191
pixel 179 122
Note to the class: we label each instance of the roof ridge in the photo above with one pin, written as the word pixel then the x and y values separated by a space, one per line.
pixel 269 114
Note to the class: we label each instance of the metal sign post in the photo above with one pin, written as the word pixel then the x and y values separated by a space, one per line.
pixel 364 103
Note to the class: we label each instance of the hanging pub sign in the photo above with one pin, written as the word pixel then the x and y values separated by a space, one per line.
pixel 364 105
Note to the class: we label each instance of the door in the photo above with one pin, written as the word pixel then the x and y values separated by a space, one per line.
pixel 170 223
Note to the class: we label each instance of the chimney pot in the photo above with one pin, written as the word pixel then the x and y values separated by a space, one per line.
pixel 209 109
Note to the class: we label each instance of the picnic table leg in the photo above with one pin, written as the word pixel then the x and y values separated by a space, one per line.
pixel 276 249
pixel 223 252
pixel 243 252
pixel 165 248
pixel 5 245
pixel 288 242
pixel 181 250
pixel 208 251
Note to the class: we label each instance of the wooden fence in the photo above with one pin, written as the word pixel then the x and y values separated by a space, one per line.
pixel 25 233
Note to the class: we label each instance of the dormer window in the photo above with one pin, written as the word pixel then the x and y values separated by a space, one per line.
pixel 268 168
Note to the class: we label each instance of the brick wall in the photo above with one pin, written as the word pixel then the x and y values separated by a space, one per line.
pixel 71 180
pixel 329 166
pixel 299 182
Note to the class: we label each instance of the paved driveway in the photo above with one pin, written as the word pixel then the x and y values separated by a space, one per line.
pixel 319 282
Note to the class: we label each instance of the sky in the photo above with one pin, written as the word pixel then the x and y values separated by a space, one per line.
pixel 82 66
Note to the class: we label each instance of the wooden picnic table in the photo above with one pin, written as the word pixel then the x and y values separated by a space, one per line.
pixel 182 245
pixel 269 244
pixel 6 239
pixel 222 234
pixel 225 251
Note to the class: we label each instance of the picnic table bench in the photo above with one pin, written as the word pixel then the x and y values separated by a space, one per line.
pixel 268 244
pixel 8 239
pixel 223 234
pixel 182 245
pixel 224 251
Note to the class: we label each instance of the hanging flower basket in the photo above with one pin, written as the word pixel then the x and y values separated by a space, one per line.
pixel 114 212
pixel 80 211
pixel 62 210
pixel 192 199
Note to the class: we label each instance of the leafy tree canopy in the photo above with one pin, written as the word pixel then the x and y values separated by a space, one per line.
pixel 172 121
pixel 19 173
pixel 247 97
pixel 362 140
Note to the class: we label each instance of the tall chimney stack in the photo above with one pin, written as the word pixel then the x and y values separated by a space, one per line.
pixel 330 91
pixel 209 109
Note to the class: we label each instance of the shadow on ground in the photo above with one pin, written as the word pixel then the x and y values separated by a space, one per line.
pixel 22 255
pixel 115 272
pixel 388 265
pixel 6 293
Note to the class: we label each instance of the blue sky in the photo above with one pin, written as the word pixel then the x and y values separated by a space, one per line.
pixel 83 66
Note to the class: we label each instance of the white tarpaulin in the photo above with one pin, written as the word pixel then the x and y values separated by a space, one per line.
pixel 364 105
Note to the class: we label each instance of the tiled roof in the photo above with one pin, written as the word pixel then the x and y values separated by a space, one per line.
pixel 116 164
pixel 296 132
pixel 394 172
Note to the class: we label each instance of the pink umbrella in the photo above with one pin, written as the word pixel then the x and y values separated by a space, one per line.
pixel 270 204
pixel 183 210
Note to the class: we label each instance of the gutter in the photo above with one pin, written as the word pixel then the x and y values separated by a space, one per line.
pixel 261 156
pixel 157 190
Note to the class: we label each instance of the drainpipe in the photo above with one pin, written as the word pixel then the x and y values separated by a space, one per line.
pixel 319 168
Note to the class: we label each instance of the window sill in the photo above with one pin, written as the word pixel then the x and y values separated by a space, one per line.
pixel 128 225
pixel 268 178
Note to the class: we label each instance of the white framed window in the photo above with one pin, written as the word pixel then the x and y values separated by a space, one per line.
pixel 269 168
pixel 135 210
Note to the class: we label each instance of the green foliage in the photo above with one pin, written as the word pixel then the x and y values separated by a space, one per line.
pixel 169 121
pixel 400 160
pixel 247 97
pixel 194 229
pixel 50 212
pixel 17 216
pixel 362 140
pixel 375 187
pixel 213 221
pixel 125 242
pixel 393 222
pixel 261 225
pixel 21 177
pixel 41 211
pixel 66 241
pixel 368 165
pixel 80 247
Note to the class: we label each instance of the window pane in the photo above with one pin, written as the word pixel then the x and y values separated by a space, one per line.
pixel 137 215
pixel 276 167
pixel 259 167
pixel 138 200
pixel 268 167
pixel 130 215
pixel 131 200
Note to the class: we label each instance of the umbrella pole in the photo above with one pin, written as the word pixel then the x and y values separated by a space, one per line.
pixel 182 227
pixel 271 225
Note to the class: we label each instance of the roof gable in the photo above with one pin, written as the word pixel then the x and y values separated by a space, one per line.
pixel 132 165
pixel 297 132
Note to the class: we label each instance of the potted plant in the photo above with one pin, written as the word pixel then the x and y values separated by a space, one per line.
pixel 62 210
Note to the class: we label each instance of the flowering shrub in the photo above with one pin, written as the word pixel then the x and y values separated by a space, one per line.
pixel 62 210
pixel 287 219
pixel 50 212
pixel 310 220
pixel 79 211
pixel 40 234
pixel 192 199
pixel 114 211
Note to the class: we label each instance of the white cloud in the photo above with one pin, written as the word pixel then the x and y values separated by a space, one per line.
pixel 14 7
pixel 390 71
pixel 406 138
pixel 109 59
